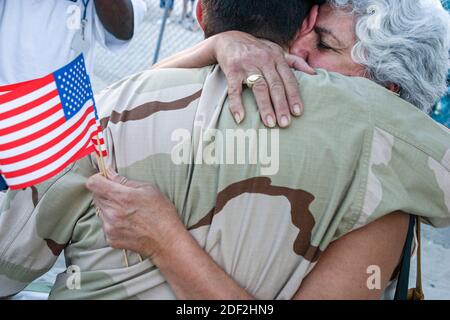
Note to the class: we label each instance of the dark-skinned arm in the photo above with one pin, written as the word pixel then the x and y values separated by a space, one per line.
pixel 117 17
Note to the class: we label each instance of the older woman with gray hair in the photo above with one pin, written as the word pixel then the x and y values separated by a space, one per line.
pixel 408 49
pixel 402 45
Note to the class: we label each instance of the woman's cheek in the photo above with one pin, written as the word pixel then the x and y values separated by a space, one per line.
pixel 320 60
pixel 331 62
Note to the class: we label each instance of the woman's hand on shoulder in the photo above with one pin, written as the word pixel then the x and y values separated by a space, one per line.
pixel 277 94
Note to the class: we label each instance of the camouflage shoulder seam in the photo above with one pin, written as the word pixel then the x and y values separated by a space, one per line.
pixel 358 204
pixel 58 178
pixel 404 138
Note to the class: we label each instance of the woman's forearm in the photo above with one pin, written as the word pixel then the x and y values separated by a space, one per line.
pixel 192 273
pixel 241 55
pixel 138 217
pixel 200 55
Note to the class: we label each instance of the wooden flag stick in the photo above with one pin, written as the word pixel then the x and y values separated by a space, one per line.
pixel 103 171
pixel 100 160
pixel 102 167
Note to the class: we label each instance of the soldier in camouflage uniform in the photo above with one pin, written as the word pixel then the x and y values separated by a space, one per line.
pixel 354 157
pixel 339 169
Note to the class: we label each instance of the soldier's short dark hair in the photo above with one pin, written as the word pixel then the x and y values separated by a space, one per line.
pixel 275 20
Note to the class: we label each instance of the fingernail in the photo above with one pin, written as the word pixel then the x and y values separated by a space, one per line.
pixel 297 109
pixel 284 121
pixel 270 121
pixel 237 117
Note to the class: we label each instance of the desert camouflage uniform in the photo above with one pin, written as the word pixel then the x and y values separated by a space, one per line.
pixel 358 153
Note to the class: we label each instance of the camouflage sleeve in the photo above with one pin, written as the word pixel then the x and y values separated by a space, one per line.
pixel 408 173
pixel 36 224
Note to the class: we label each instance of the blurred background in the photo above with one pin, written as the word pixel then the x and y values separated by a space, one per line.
pixel 179 32
pixel 156 40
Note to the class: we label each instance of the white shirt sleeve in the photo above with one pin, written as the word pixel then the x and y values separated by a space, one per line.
pixel 109 41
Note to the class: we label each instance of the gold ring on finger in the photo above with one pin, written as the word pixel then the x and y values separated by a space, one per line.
pixel 252 79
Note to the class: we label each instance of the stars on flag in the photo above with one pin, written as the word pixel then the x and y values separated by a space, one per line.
pixel 74 87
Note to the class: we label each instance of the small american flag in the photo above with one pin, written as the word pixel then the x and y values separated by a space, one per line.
pixel 46 124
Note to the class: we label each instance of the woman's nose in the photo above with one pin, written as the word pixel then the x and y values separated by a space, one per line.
pixel 303 53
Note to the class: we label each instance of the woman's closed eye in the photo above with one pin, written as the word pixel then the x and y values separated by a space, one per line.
pixel 322 46
pixel 327 40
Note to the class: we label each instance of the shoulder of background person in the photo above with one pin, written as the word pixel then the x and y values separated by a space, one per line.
pixel 378 106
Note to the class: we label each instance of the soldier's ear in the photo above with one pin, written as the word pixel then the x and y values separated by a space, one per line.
pixel 309 22
pixel 199 13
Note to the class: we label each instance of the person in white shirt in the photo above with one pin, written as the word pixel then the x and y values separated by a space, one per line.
pixel 38 37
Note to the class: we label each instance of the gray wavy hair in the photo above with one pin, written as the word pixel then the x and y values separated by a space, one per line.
pixel 403 42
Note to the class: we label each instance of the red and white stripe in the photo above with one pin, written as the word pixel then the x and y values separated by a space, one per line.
pixel 36 140
pixel 100 149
